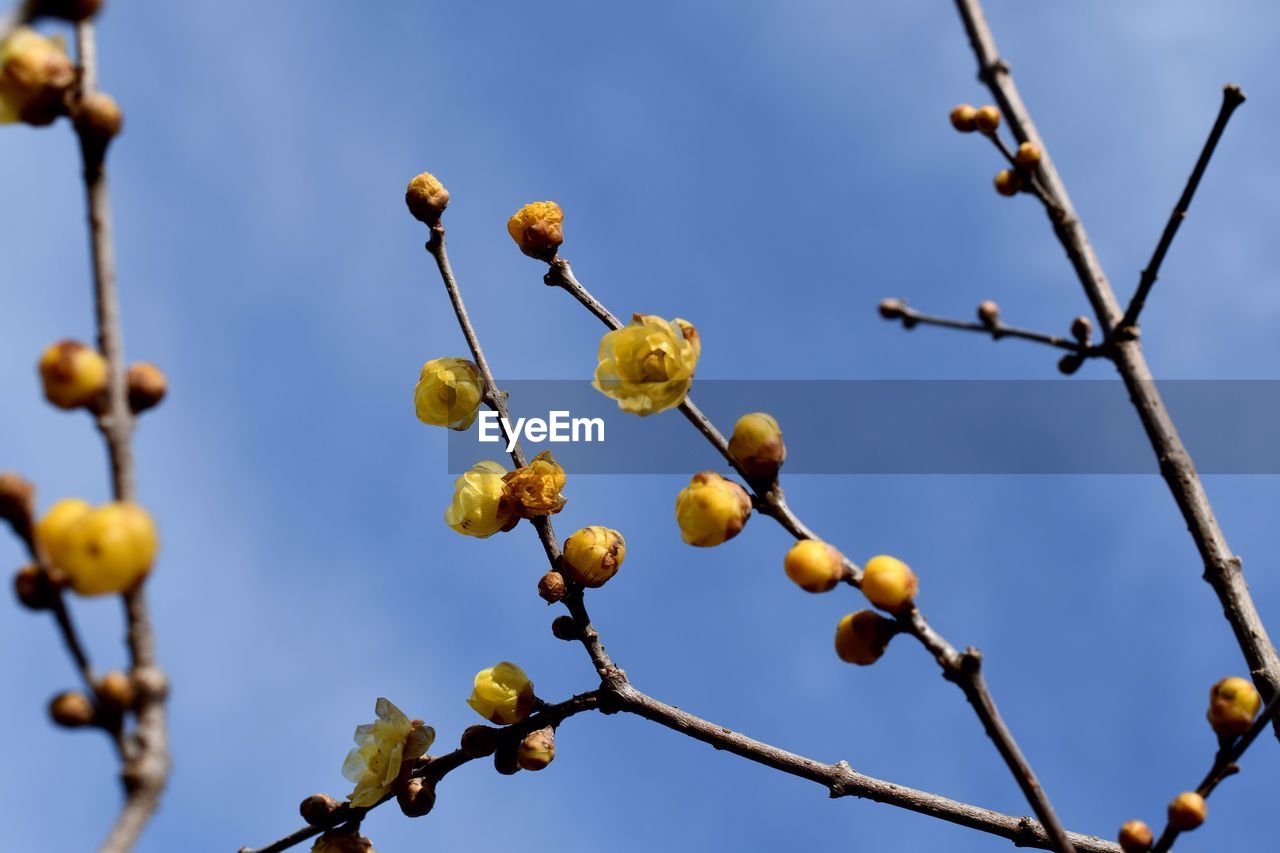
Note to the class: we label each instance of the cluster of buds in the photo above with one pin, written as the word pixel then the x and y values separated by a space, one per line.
pixel 986 120
pixel 757 446
pixel 113 695
pixel 711 510
pixel 648 366
pixel 488 498
pixel 74 376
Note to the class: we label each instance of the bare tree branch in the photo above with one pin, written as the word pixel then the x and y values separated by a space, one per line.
pixel 910 318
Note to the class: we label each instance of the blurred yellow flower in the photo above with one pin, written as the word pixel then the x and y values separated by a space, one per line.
pixel 448 393
pixel 109 549
pixel 711 510
pixel 503 694
pixel 35 75
pixel 1233 703
pixel 538 229
pixel 535 488
pixel 73 375
pixel 380 748
pixel 648 366
pixel 480 505
pixel 51 530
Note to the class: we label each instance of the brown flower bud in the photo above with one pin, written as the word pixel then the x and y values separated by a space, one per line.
pixel 34 589
pixel 68 10
pixel 17 501
pixel 479 741
pixel 537 750
pixel 147 386
pixel 504 761
pixel 1082 329
pixel 987 119
pixel 988 313
pixel 416 797
pixel 115 690
pixel 72 709
pixel 1028 155
pixel 1135 837
pixel 1187 811
pixel 1069 364
pixel 317 808
pixel 342 840
pixel 862 637
pixel 427 198
pixel 565 628
pixel 98 120
pixel 891 309
pixel 963 117
pixel 551 587
pixel 1008 182
pixel 757 446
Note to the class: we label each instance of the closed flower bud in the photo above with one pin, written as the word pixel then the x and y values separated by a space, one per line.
pixel 1028 155
pixel 17 501
pixel 538 229
pixel 115 690
pixel 1187 811
pixel 535 488
pixel 503 694
pixel 51 531
pixel 479 741
pixel 147 386
pixel 315 809
pixel 987 119
pixel 891 309
pixel 988 313
pixel 108 550
pixel 814 566
pixel 1081 328
pixel 1008 182
pixel 72 709
pixel 1135 837
pixel 427 198
pixel 565 628
pixel 448 393
pixel 416 798
pixel 551 587
pixel 34 589
pixel 35 77
pixel 504 761
pixel 98 120
pixel 889 584
pixel 537 750
pixel 711 510
pixel 648 366
pixel 73 374
pixel 593 555
pixel 862 637
pixel 480 506
pixel 963 117
pixel 757 446
pixel 1233 703
pixel 342 841
pixel 1070 363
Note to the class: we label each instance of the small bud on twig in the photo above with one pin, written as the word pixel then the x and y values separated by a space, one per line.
pixel 1069 364
pixel 147 386
pixel 987 119
pixel 757 446
pixel 416 798
pixel 889 584
pixel 317 808
pixel 1008 182
pixel 565 628
pixel 862 637
pixel 1028 155
pixel 963 117
pixel 115 690
pixel 73 374
pixel 1187 811
pixel 427 198
pixel 814 566
pixel 891 309
pixel 34 588
pixel 537 750
pixel 1082 329
pixel 98 120
pixel 505 762
pixel 479 741
pixel 551 587
pixel 988 313
pixel 17 502
pixel 72 709
pixel 1135 837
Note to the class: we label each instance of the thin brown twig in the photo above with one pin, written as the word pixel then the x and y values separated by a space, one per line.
pixel 910 318
pixel 1222 568
pixel 962 668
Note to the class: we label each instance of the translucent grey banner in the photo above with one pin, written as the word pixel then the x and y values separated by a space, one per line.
pixel 1007 427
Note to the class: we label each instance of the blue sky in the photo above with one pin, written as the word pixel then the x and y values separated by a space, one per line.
pixel 768 171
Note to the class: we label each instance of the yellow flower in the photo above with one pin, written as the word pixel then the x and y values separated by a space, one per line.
pixel 889 584
pixel 814 566
pixel 862 637
pixel 51 531
pixel 503 694
pixel 380 748
pixel 73 374
pixel 648 366
pixel 593 555
pixel 757 446
pixel 35 75
pixel 338 841
pixel 448 393
pixel 109 549
pixel 1233 703
pixel 538 229
pixel 480 505
pixel 711 510
pixel 535 489
pixel 427 198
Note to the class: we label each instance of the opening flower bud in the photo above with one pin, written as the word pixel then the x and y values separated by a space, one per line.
pixel 416 798
pixel 1187 811
pixel 889 584
pixel 448 393
pixel 34 589
pixel 315 809
pixel 73 374
pixel 711 510
pixel 1028 155
pixel 538 229
pixel 963 117
pixel 503 694
pixel 1233 703
pixel 535 488
pixel 593 554
pixel 757 446
pixel 480 506
pixel 1008 182
pixel 479 741
pixel 551 587
pixel 147 386
pixel 814 566
pixel 988 313
pixel 987 119
pixel 109 549
pixel 72 709
pixel 862 637
pixel 35 76
pixel 427 198
pixel 1135 837
pixel 537 750
pixel 648 365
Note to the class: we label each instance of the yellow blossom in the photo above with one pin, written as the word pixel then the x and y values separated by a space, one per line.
pixel 503 694
pixel 35 75
pixel 1233 703
pixel 109 549
pixel 593 555
pixel 73 374
pixel 448 393
pixel 757 446
pixel 51 531
pixel 648 366
pixel 889 584
pixel 427 198
pixel 480 505
pixel 535 489
pixel 814 566
pixel 711 510
pixel 538 229
pixel 380 748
